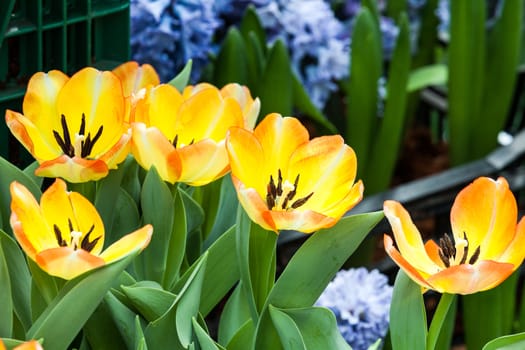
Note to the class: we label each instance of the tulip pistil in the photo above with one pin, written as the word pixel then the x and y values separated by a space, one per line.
pixel 456 253
pixel 279 196
pixel 82 145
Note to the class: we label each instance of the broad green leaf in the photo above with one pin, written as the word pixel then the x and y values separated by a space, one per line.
pixel 275 88
pixel 234 315
pixel 447 328
pixel 303 102
pixel 243 337
pixel 307 328
pixel 408 322
pixel 204 339
pixel 101 331
pixel 394 8
pixel 6 297
pixel 29 171
pixel 251 24
pixel 490 314
pixel 158 210
pixel 436 74
pixel 385 148
pixel 140 339
pixel 427 38
pixel 126 218
pixel 16 285
pixel 507 342
pixel 230 65
pixel 46 285
pixel 365 71
pixel 151 301
pixel 8 174
pixel 228 203
pixel 181 80
pixel 466 66
pixel 208 197
pixel 255 61
pixel 123 318
pixel 77 300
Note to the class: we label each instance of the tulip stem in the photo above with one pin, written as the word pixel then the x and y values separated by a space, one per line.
pixel 440 318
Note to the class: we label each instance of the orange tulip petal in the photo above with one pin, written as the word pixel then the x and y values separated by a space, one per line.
pixel 407 236
pixel 137 240
pixel 486 212
pixel 135 77
pixel 468 279
pixel 74 169
pixel 203 162
pixel 28 223
pixel 151 148
pixel 412 272
pixel 29 345
pixel 66 263
pixel 305 221
pixel 432 250
pixel 514 254
pixel 254 205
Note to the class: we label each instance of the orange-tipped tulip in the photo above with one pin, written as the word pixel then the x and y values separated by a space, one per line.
pixel 74 127
pixel 64 234
pixel 485 247
pixel 28 345
pixel 183 135
pixel 285 181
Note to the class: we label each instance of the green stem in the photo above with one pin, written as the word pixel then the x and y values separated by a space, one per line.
pixel 438 320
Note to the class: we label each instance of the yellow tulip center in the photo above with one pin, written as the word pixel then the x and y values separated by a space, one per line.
pixel 82 144
pixel 176 143
pixel 455 251
pixel 280 196
pixel 76 235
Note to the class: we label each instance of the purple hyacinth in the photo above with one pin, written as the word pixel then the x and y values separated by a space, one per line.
pixel 360 301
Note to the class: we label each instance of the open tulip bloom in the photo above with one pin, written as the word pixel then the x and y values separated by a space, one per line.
pixel 64 234
pixel 285 181
pixel 74 127
pixel 485 247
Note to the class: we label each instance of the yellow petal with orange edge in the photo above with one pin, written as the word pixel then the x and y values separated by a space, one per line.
pixel 250 107
pixel 280 137
pixel 27 220
pixel 486 212
pixel 137 240
pixel 432 250
pixel 468 279
pixel 135 77
pixel 246 158
pixel 514 254
pixel 352 198
pixel 161 105
pixel 416 275
pixel 207 115
pixel 29 345
pixel 327 167
pixel 98 95
pixel 407 236
pixel 118 153
pixel 151 148
pixel 254 205
pixel 190 90
pixel 40 101
pixel 203 162
pixel 306 221
pixel 74 169
pixel 31 137
pixel 66 263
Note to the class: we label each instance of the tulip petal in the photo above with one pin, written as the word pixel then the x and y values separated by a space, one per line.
pixel 66 263
pixel 203 162
pixel 137 240
pixel 250 107
pixel 118 153
pixel 486 212
pixel 412 272
pixel 514 254
pixel 159 109
pixel 254 205
pixel 468 279
pixel 135 77
pixel 74 169
pixel 98 95
pixel 407 237
pixel 305 221
pixel 151 148
pixel 27 220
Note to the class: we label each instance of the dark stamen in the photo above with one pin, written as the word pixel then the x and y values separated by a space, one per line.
pixel 465 250
pixel 474 256
pixel 175 140
pixel 447 249
pixel 71 229
pixel 65 131
pixel 86 244
pixel 279 183
pixel 301 201
pixel 82 130
pixel 58 235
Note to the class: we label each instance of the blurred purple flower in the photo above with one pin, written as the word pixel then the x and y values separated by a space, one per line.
pixel 360 301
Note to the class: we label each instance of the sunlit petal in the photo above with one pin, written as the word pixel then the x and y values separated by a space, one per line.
pixel 203 162
pixel 128 244
pixel 73 169
pixel 66 263
pixel 135 77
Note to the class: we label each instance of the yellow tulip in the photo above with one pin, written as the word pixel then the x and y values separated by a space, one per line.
pixel 285 181
pixel 64 234
pixel 135 77
pixel 74 127
pixel 28 345
pixel 183 135
pixel 484 248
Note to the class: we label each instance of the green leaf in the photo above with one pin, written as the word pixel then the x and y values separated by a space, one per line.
pixel 124 320
pixel 234 315
pixel 74 304
pixel 255 61
pixel 126 218
pixel 365 71
pixel 16 284
pixel 181 80
pixel 507 342
pixel 8 174
pixel 243 337
pixel 466 58
pixel 140 339
pixel 230 65
pixel 29 171
pixel 436 74
pixel 100 330
pixel 46 284
pixel 149 299
pixel 275 88
pixel 204 339
pixel 251 24
pixel 6 297
pixel 408 322
pixel 385 148
pixel 442 324
pixel 158 210
pixel 394 8
pixel 228 203
pixel 307 328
